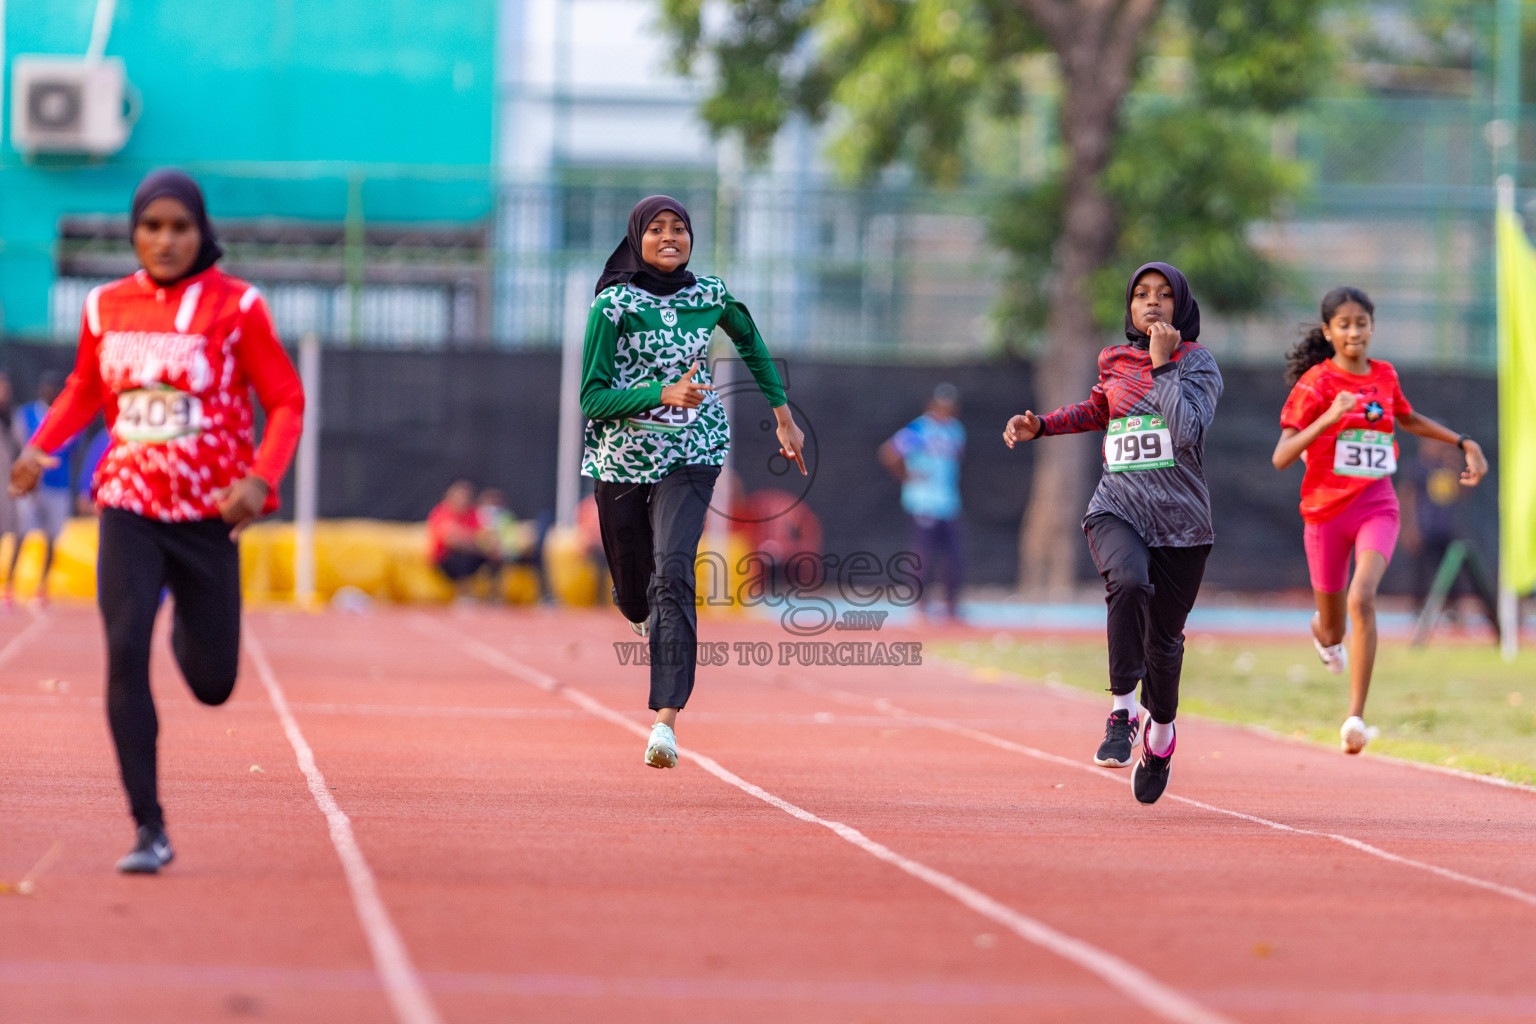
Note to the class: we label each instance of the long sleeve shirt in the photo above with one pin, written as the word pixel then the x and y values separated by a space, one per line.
pixel 173 370
pixel 636 344
pixel 1168 504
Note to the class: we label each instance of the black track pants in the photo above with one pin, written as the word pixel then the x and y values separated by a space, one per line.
pixel 1149 592
pixel 137 558
pixel 651 539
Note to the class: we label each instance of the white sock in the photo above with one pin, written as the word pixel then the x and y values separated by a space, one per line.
pixel 1160 738
pixel 1126 702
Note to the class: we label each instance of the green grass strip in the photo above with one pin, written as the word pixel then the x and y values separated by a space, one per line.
pixel 1456 705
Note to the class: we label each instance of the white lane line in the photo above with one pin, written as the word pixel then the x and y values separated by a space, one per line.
pixel 13 646
pixel 402 985
pixel 899 714
pixel 974 674
pixel 1134 983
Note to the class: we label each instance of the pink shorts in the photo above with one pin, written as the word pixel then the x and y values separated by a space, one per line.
pixel 1369 523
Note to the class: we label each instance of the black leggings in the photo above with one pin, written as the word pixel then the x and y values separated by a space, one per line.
pixel 137 558
pixel 1149 592
pixel 651 538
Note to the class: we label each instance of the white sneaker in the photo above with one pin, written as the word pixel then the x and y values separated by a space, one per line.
pixel 1334 658
pixel 661 751
pixel 1354 734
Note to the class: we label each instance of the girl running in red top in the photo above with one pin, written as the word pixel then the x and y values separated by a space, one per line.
pixel 1340 418
pixel 171 355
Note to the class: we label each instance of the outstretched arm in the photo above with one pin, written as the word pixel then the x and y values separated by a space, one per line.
pixel 1423 426
pixel 76 406
pixel 1090 414
pixel 738 323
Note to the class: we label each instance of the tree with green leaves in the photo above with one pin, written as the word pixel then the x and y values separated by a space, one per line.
pixel 1166 159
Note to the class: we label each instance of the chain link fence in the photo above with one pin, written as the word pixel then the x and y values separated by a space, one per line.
pixel 1399 203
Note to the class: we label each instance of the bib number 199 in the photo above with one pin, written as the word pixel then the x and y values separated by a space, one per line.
pixel 1138 442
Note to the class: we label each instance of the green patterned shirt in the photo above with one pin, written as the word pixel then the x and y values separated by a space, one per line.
pixel 636 344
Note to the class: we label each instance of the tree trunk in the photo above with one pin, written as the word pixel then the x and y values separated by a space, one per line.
pixel 1096 44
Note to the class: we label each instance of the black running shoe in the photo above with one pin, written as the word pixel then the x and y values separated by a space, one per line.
pixel 1151 775
pixel 152 853
pixel 1119 737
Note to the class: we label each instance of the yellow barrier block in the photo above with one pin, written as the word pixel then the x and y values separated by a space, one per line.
pixel 718 577
pixel 74 562
pixel 520 585
pixel 387 561
pixel 573 578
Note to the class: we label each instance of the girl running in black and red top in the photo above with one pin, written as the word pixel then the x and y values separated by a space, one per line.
pixel 171 355
pixel 1340 417
pixel 1149 522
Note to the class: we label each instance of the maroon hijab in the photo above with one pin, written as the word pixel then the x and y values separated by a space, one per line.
pixel 1186 311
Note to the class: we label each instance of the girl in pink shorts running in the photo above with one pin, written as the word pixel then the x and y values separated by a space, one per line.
pixel 1340 419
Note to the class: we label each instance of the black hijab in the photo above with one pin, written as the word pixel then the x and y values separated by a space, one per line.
pixel 168 182
pixel 627 266
pixel 1186 311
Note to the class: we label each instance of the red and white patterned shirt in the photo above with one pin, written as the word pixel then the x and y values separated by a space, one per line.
pixel 173 370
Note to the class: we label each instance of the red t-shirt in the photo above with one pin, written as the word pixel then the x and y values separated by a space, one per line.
pixel 1324 493
pixel 173 370
pixel 441 522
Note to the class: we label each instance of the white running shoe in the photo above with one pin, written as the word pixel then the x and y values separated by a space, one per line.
pixel 1334 658
pixel 1354 734
pixel 661 751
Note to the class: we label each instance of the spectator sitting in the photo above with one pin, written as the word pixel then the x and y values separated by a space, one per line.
pixel 515 541
pixel 503 533
pixel 455 538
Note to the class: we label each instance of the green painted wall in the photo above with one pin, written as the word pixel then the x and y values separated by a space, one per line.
pixel 274 105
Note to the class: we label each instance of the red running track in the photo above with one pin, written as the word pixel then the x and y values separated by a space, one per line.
pixel 839 844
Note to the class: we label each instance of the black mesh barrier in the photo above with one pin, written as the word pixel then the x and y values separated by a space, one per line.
pixel 399 426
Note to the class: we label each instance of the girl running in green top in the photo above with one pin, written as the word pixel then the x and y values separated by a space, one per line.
pixel 657 436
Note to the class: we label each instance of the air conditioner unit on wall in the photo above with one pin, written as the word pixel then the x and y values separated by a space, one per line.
pixel 68 105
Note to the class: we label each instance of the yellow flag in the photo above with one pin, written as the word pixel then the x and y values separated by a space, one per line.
pixel 1517 405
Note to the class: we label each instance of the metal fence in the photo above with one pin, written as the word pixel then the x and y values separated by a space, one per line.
pixel 1399 203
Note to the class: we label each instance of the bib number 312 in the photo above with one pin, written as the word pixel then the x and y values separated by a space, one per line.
pixel 1136 443
pixel 157 415
pixel 1364 453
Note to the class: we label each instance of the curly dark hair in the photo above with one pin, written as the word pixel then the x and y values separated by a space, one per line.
pixel 1314 347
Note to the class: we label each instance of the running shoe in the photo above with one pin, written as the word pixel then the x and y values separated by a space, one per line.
pixel 1334 658
pixel 641 628
pixel 1119 737
pixel 1354 734
pixel 661 751
pixel 151 853
pixel 1151 775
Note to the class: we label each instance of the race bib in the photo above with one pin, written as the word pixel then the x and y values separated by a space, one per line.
pixel 157 415
pixel 1138 442
pixel 1364 453
pixel 666 419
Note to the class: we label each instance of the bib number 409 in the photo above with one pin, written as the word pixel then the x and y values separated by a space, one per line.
pixel 157 415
